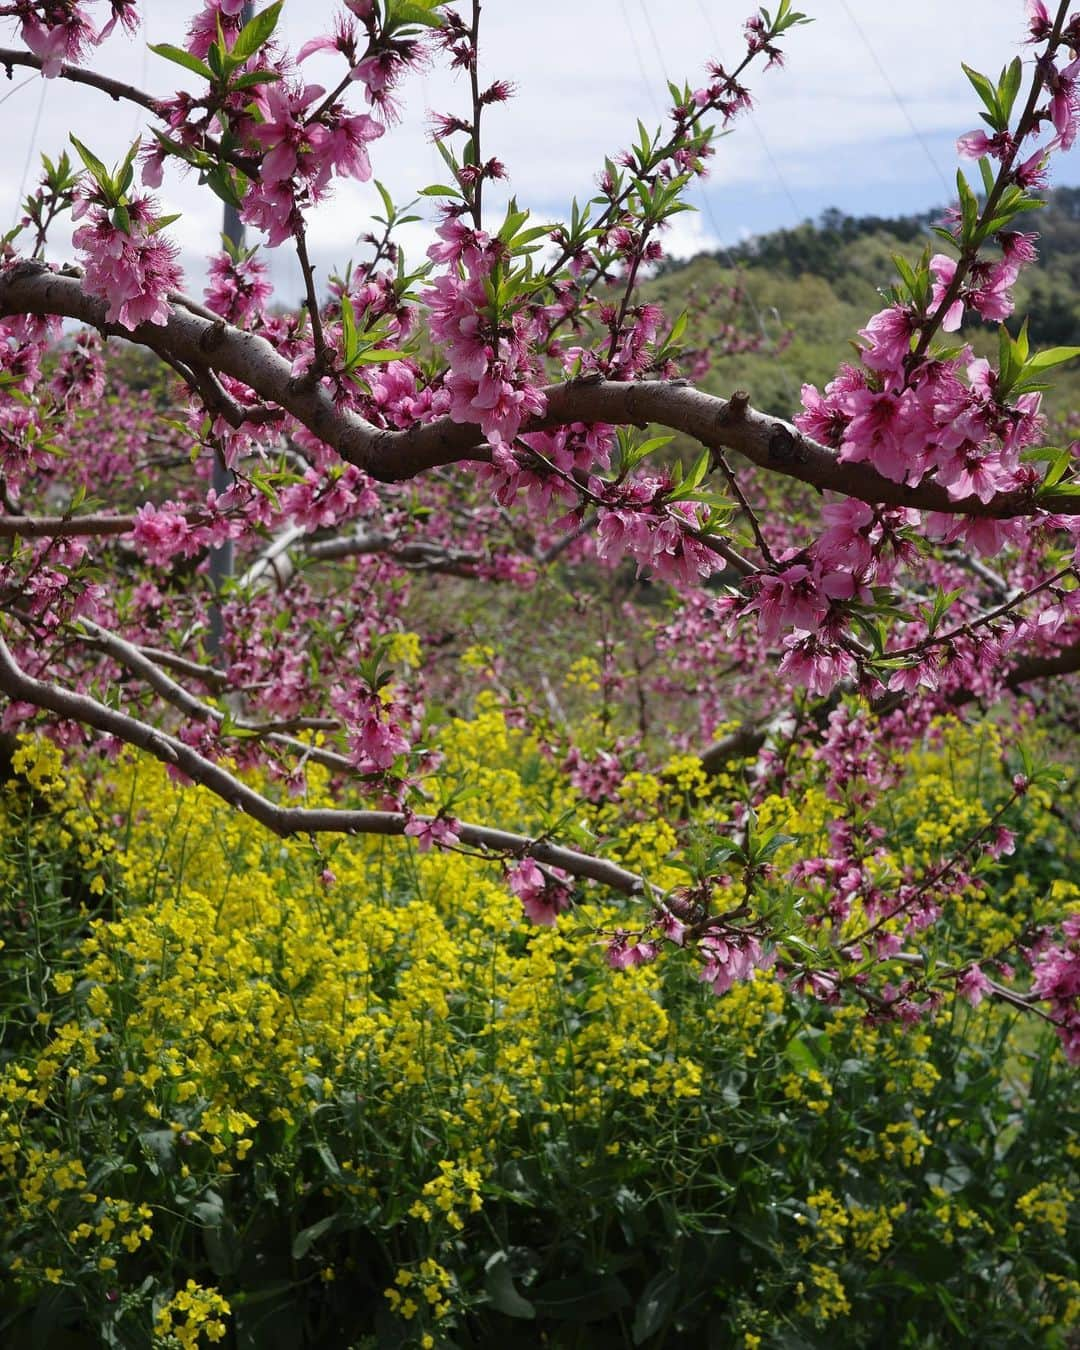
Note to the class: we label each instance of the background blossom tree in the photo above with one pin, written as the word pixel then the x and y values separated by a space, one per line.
pixel 486 414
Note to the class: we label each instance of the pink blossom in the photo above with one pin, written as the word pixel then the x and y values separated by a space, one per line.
pixel 439 830
pixel 132 270
pixel 1039 22
pixel 543 896
pixel 798 597
pixel 671 927
pixel 890 431
pixel 344 147
pixel 730 959
pixel 238 291
pixel 889 335
pixel 160 535
pixel 846 541
pixel 922 674
pixel 976 144
pixel 820 666
pixel 203 29
pixel 1064 104
pixel 622 954
pixel 943 269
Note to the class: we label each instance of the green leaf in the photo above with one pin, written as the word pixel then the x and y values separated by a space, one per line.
pixel 693 479
pixel 348 330
pixel 969 206
pixel 499 1283
pixel 387 201
pixel 800 1055
pixel 98 171
pixel 215 59
pixel 220 182
pixel 655 1306
pixel 678 328
pixel 253 77
pixel 1021 344
pixel 587 1297
pixel 411 12
pixel 160 1146
pixel 333 1167
pixel 1009 87
pixel 307 1237
pixel 252 36
pixel 1053 356
pixel 374 355
pixel 182 58
pixel 942 602
pixel 907 272
pixel 1056 470
pixel 986 91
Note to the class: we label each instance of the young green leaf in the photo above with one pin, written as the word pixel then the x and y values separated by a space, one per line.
pixel 182 58
pixel 254 34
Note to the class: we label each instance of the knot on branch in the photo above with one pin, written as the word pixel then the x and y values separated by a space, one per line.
pixel 24 267
pixel 784 446
pixel 734 410
pixel 213 337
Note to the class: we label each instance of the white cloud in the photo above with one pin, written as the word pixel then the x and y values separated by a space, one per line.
pixel 689 234
pixel 584 71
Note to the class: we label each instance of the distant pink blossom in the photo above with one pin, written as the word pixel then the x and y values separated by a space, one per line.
pixel 441 831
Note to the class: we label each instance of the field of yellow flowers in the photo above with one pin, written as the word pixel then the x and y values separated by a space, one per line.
pixel 264 1094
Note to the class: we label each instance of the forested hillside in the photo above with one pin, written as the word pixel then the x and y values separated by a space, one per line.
pixel 808 289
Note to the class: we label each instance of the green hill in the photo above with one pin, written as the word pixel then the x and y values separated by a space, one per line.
pixel 809 289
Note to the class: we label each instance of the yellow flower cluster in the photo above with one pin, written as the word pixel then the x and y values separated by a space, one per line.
pixel 1046 1204
pixel 242 998
pixel 445 1194
pixel 192 1313
pixel 836 1223
pixel 826 1298
pixel 422 1288
pixel 955 1218
pixel 811 1090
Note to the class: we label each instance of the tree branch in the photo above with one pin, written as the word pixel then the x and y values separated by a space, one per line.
pixel 392 456
pixel 748 739
pixel 116 89
pixel 66 527
pixel 287 821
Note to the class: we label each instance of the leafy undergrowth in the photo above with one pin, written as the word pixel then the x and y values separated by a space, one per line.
pixel 264 1096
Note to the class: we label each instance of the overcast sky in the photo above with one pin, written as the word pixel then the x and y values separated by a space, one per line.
pixel 864 115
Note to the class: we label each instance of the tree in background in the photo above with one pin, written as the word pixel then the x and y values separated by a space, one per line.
pixel 906 547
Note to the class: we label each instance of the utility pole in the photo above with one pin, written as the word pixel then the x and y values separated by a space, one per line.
pixel 221 558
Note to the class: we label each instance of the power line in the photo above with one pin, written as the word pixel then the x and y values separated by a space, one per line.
pixel 646 79
pixel 30 146
pixel 759 318
pixel 758 132
pixel 21 85
pixel 137 121
pixel 896 97
pixel 652 35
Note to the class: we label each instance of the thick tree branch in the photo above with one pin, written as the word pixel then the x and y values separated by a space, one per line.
pixel 392 456
pixel 64 527
pixel 747 740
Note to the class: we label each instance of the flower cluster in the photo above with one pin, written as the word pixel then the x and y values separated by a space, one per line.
pixel 130 266
pixel 64 33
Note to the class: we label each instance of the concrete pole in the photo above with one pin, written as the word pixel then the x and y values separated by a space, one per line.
pixel 221 559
